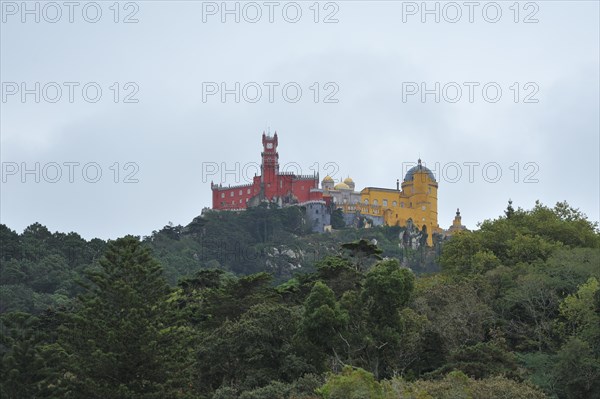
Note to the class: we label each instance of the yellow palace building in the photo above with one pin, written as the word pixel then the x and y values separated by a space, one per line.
pixel 414 199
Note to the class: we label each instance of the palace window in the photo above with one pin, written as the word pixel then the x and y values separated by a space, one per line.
pixel 248 192
pixel 385 203
pixel 222 195
pixel 394 203
pixel 231 194
pixel 375 202
pixel 423 208
pixel 366 202
pixel 240 192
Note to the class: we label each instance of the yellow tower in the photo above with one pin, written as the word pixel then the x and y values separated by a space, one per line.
pixel 456 224
pixel 415 199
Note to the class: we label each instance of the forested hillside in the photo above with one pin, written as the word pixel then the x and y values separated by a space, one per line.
pixel 253 306
pixel 41 269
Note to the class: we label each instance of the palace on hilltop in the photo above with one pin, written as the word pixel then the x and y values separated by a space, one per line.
pixel 412 203
pixel 283 188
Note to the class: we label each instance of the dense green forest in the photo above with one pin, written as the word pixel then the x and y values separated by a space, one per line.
pixel 252 305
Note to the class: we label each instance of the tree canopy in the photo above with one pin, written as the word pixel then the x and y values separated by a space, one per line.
pixel 273 311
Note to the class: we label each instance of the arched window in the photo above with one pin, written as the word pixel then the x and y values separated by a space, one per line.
pixel 375 203
pixel 366 202
pixel 394 203
pixel 385 203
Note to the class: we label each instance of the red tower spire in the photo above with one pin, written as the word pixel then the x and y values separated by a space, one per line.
pixel 270 159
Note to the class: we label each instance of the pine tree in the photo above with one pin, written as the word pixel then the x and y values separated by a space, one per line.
pixel 361 251
pixel 509 212
pixel 116 340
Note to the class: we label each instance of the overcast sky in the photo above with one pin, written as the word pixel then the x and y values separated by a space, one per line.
pixel 525 126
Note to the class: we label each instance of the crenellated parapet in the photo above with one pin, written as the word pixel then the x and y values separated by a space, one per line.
pixel 220 187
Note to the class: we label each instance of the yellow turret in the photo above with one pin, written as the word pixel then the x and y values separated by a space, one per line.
pixel 416 200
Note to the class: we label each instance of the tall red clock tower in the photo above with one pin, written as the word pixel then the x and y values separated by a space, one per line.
pixel 270 160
